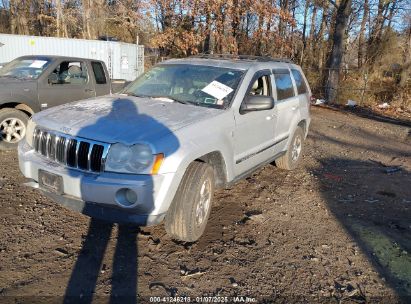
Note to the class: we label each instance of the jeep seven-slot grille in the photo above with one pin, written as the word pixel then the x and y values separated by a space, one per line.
pixel 71 151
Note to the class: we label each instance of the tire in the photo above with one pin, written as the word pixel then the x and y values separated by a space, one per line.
pixel 290 160
pixel 187 218
pixel 13 125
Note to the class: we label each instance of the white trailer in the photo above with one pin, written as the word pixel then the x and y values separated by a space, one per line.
pixel 123 60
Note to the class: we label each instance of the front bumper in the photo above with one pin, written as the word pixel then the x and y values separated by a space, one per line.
pixel 97 195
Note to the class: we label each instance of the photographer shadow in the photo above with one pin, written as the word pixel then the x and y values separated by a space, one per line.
pixel 89 264
pixel 122 115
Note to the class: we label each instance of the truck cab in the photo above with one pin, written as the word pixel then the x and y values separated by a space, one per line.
pixel 30 84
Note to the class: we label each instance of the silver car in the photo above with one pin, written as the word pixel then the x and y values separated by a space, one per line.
pixel 158 150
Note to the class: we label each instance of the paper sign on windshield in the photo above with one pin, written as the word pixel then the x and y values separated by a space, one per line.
pixel 37 64
pixel 217 89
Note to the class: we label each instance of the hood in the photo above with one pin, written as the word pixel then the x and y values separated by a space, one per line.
pixel 4 81
pixel 122 119
pixel 8 85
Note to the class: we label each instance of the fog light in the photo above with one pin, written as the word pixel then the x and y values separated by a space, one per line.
pixel 126 197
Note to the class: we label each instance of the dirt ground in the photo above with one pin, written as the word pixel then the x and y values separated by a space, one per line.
pixel 337 229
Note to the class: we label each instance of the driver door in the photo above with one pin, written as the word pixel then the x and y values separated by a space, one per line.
pixel 68 81
pixel 254 140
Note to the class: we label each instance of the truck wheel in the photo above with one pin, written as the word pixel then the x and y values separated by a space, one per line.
pixel 13 125
pixel 187 216
pixel 291 158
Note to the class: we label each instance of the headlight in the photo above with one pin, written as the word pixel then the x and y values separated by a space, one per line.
pixel 29 132
pixel 132 159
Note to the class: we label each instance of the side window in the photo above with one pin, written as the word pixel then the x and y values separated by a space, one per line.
pixel 69 72
pixel 299 81
pixel 261 86
pixel 284 84
pixel 99 72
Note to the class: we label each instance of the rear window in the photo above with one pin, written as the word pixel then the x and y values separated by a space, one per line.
pixel 299 82
pixel 99 73
pixel 284 84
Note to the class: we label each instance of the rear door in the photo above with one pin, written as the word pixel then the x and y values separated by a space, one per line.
pixel 67 81
pixel 254 132
pixel 286 104
pixel 303 92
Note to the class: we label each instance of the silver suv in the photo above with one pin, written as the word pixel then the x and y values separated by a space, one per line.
pixel 158 150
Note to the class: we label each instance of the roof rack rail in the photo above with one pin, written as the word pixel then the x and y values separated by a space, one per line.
pixel 241 57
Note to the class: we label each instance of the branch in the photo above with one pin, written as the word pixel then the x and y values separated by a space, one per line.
pixel 333 3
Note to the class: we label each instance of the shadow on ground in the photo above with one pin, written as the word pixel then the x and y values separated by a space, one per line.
pixel 374 207
pixel 365 112
pixel 89 264
pixel 111 119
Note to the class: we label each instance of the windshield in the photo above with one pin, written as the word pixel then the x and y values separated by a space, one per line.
pixel 25 68
pixel 195 84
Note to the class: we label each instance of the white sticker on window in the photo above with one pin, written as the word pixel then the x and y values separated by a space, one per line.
pixel 37 64
pixel 217 89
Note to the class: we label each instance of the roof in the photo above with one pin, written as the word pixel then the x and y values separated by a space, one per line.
pixel 236 57
pixel 242 62
pixel 55 57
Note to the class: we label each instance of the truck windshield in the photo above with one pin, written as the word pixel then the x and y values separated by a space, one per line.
pixel 194 84
pixel 25 68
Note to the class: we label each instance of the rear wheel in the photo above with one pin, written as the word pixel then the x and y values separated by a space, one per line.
pixel 189 212
pixel 13 124
pixel 291 158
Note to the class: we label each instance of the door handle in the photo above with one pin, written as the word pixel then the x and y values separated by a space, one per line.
pixel 88 90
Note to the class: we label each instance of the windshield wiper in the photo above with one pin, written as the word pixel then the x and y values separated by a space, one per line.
pixel 173 99
pixel 134 94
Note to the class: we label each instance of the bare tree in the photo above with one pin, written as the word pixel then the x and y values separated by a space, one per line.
pixel 361 37
pixel 406 70
pixel 343 11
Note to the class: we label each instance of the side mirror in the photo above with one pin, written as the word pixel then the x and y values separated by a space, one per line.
pixel 257 103
pixel 53 79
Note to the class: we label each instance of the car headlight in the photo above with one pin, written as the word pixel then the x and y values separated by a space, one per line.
pixel 138 158
pixel 31 125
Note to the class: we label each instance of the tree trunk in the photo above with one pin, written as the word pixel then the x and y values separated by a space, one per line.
pixel 319 41
pixel 392 12
pixel 307 5
pixel 281 24
pixel 207 41
pixel 59 15
pixel 87 5
pixel 259 51
pixel 293 45
pixel 335 59
pixel 13 16
pixel 361 37
pixel 312 36
pixel 376 31
pixel 406 69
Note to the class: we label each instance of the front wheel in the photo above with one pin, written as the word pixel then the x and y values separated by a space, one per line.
pixel 13 125
pixel 190 209
pixel 291 158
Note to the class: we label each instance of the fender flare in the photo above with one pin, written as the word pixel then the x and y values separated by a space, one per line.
pixel 25 108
